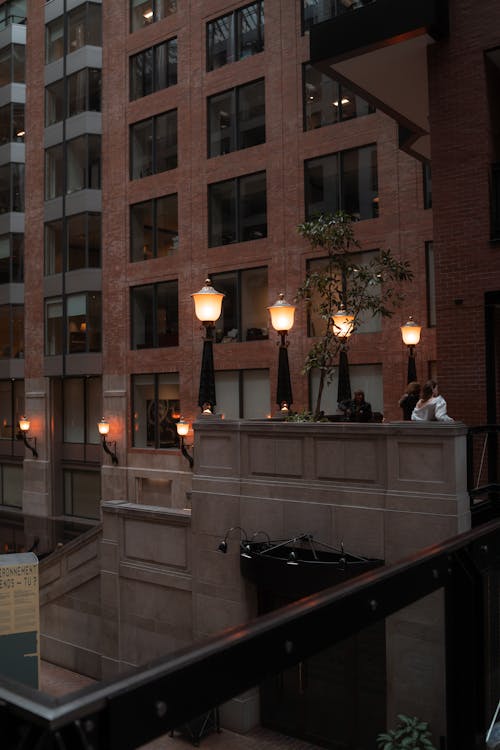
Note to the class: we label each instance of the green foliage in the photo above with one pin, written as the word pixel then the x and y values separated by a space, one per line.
pixel 371 288
pixel 303 416
pixel 410 734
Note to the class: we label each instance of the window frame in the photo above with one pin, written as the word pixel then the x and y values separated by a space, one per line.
pixel 155 326
pixel 169 45
pixel 155 230
pixel 234 38
pixel 154 120
pixel 238 303
pixel 235 124
pixel 237 190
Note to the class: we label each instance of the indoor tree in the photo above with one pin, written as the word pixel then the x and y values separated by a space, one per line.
pixel 343 283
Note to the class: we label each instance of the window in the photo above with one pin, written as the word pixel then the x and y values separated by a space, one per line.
pixel 144 12
pixel 83 157
pixel 54 102
pixel 244 308
pixel 236 35
pixel 54 172
pixel 316 11
pixel 11 188
pixel 11 258
pixel 11 331
pixel 155 315
pixel 236 119
pixel 82 327
pixel 154 228
pixel 237 210
pixel 327 102
pixel 153 69
pixel 12 64
pixel 78 240
pixel 84 91
pixel 155 410
pixel 368 323
pixel 431 284
pixel 366 377
pixel 11 485
pixel 12 12
pixel 84 28
pixel 12 123
pixel 243 394
pixel 344 181
pixel 153 145
pixel 82 409
pixel 11 407
pixel 82 493
pixel 427 182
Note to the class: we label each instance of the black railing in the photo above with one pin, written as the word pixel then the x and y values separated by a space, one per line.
pixel 483 482
pixel 129 711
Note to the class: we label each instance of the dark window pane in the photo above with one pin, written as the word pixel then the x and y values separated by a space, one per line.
pixel 222 206
pixel 77 230
pixel 251 115
pixel 54 40
pixel 53 247
pixel 5 259
pixel 250 32
pixel 166 141
pixel 167 225
pixel 141 149
pixel 94 102
pixel 5 127
pixel 253 207
pixel 54 174
pixel 94 322
pixel 94 240
pixel 141 74
pixel 167 314
pixel 359 182
pixel 141 231
pixel 53 326
pixel 322 185
pixel 17 187
pixel 220 42
pixel 17 258
pixel 221 124
pixel 54 102
pixel 142 316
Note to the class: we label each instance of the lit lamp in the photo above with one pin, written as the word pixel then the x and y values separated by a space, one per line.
pixel 22 434
pixel 103 427
pixel 343 327
pixel 182 431
pixel 282 314
pixel 207 308
pixel 410 333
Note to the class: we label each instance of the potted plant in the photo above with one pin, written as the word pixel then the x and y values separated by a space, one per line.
pixel 411 733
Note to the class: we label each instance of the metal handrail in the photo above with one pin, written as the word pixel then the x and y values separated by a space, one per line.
pixel 134 709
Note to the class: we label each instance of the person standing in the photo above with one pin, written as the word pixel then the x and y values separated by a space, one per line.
pixel 409 400
pixel 357 409
pixel 431 407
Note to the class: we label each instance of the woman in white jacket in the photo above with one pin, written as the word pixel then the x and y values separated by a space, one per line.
pixel 431 407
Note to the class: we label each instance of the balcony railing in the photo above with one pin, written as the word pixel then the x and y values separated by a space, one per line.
pixel 134 709
pixel 483 481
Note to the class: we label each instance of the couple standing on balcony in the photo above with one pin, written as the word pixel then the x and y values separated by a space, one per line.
pixel 430 407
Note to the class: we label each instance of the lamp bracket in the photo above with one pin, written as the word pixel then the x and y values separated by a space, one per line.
pixel 27 441
pixel 110 451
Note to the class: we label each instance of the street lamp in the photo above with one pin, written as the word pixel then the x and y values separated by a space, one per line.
pixel 103 427
pixel 343 326
pixel 410 333
pixel 22 434
pixel 207 308
pixel 282 315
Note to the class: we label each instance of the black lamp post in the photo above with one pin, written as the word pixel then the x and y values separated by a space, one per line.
pixel 282 315
pixel 207 307
pixel 343 326
pixel 410 333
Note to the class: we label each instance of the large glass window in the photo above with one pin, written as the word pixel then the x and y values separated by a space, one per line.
pixel 11 485
pixel 243 394
pixel 244 308
pixel 153 69
pixel 153 145
pixel 154 228
pixel 82 493
pixel 12 64
pixel 327 102
pixel 155 315
pixel 54 172
pixel 12 12
pixel 235 35
pixel 81 315
pixel 83 28
pixel 144 12
pixel 316 11
pixel 236 119
pixel 11 407
pixel 12 123
pixel 84 91
pixel 11 331
pixel 79 242
pixel 83 156
pixel 238 209
pixel 11 258
pixel 82 409
pixel 11 188
pixel 344 181
pixel 367 378
pixel 54 102
pixel 54 40
pixel 155 410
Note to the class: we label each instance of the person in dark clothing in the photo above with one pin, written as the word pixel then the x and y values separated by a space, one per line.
pixel 409 400
pixel 357 409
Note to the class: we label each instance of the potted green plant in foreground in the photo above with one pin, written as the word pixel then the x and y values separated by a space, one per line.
pixel 410 734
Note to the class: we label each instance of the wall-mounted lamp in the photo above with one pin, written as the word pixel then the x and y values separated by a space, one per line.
pixel 410 333
pixel 22 434
pixel 103 427
pixel 343 327
pixel 182 431
pixel 243 540
pixel 282 315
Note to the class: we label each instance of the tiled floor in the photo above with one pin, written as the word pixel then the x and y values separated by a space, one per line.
pixel 58 682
